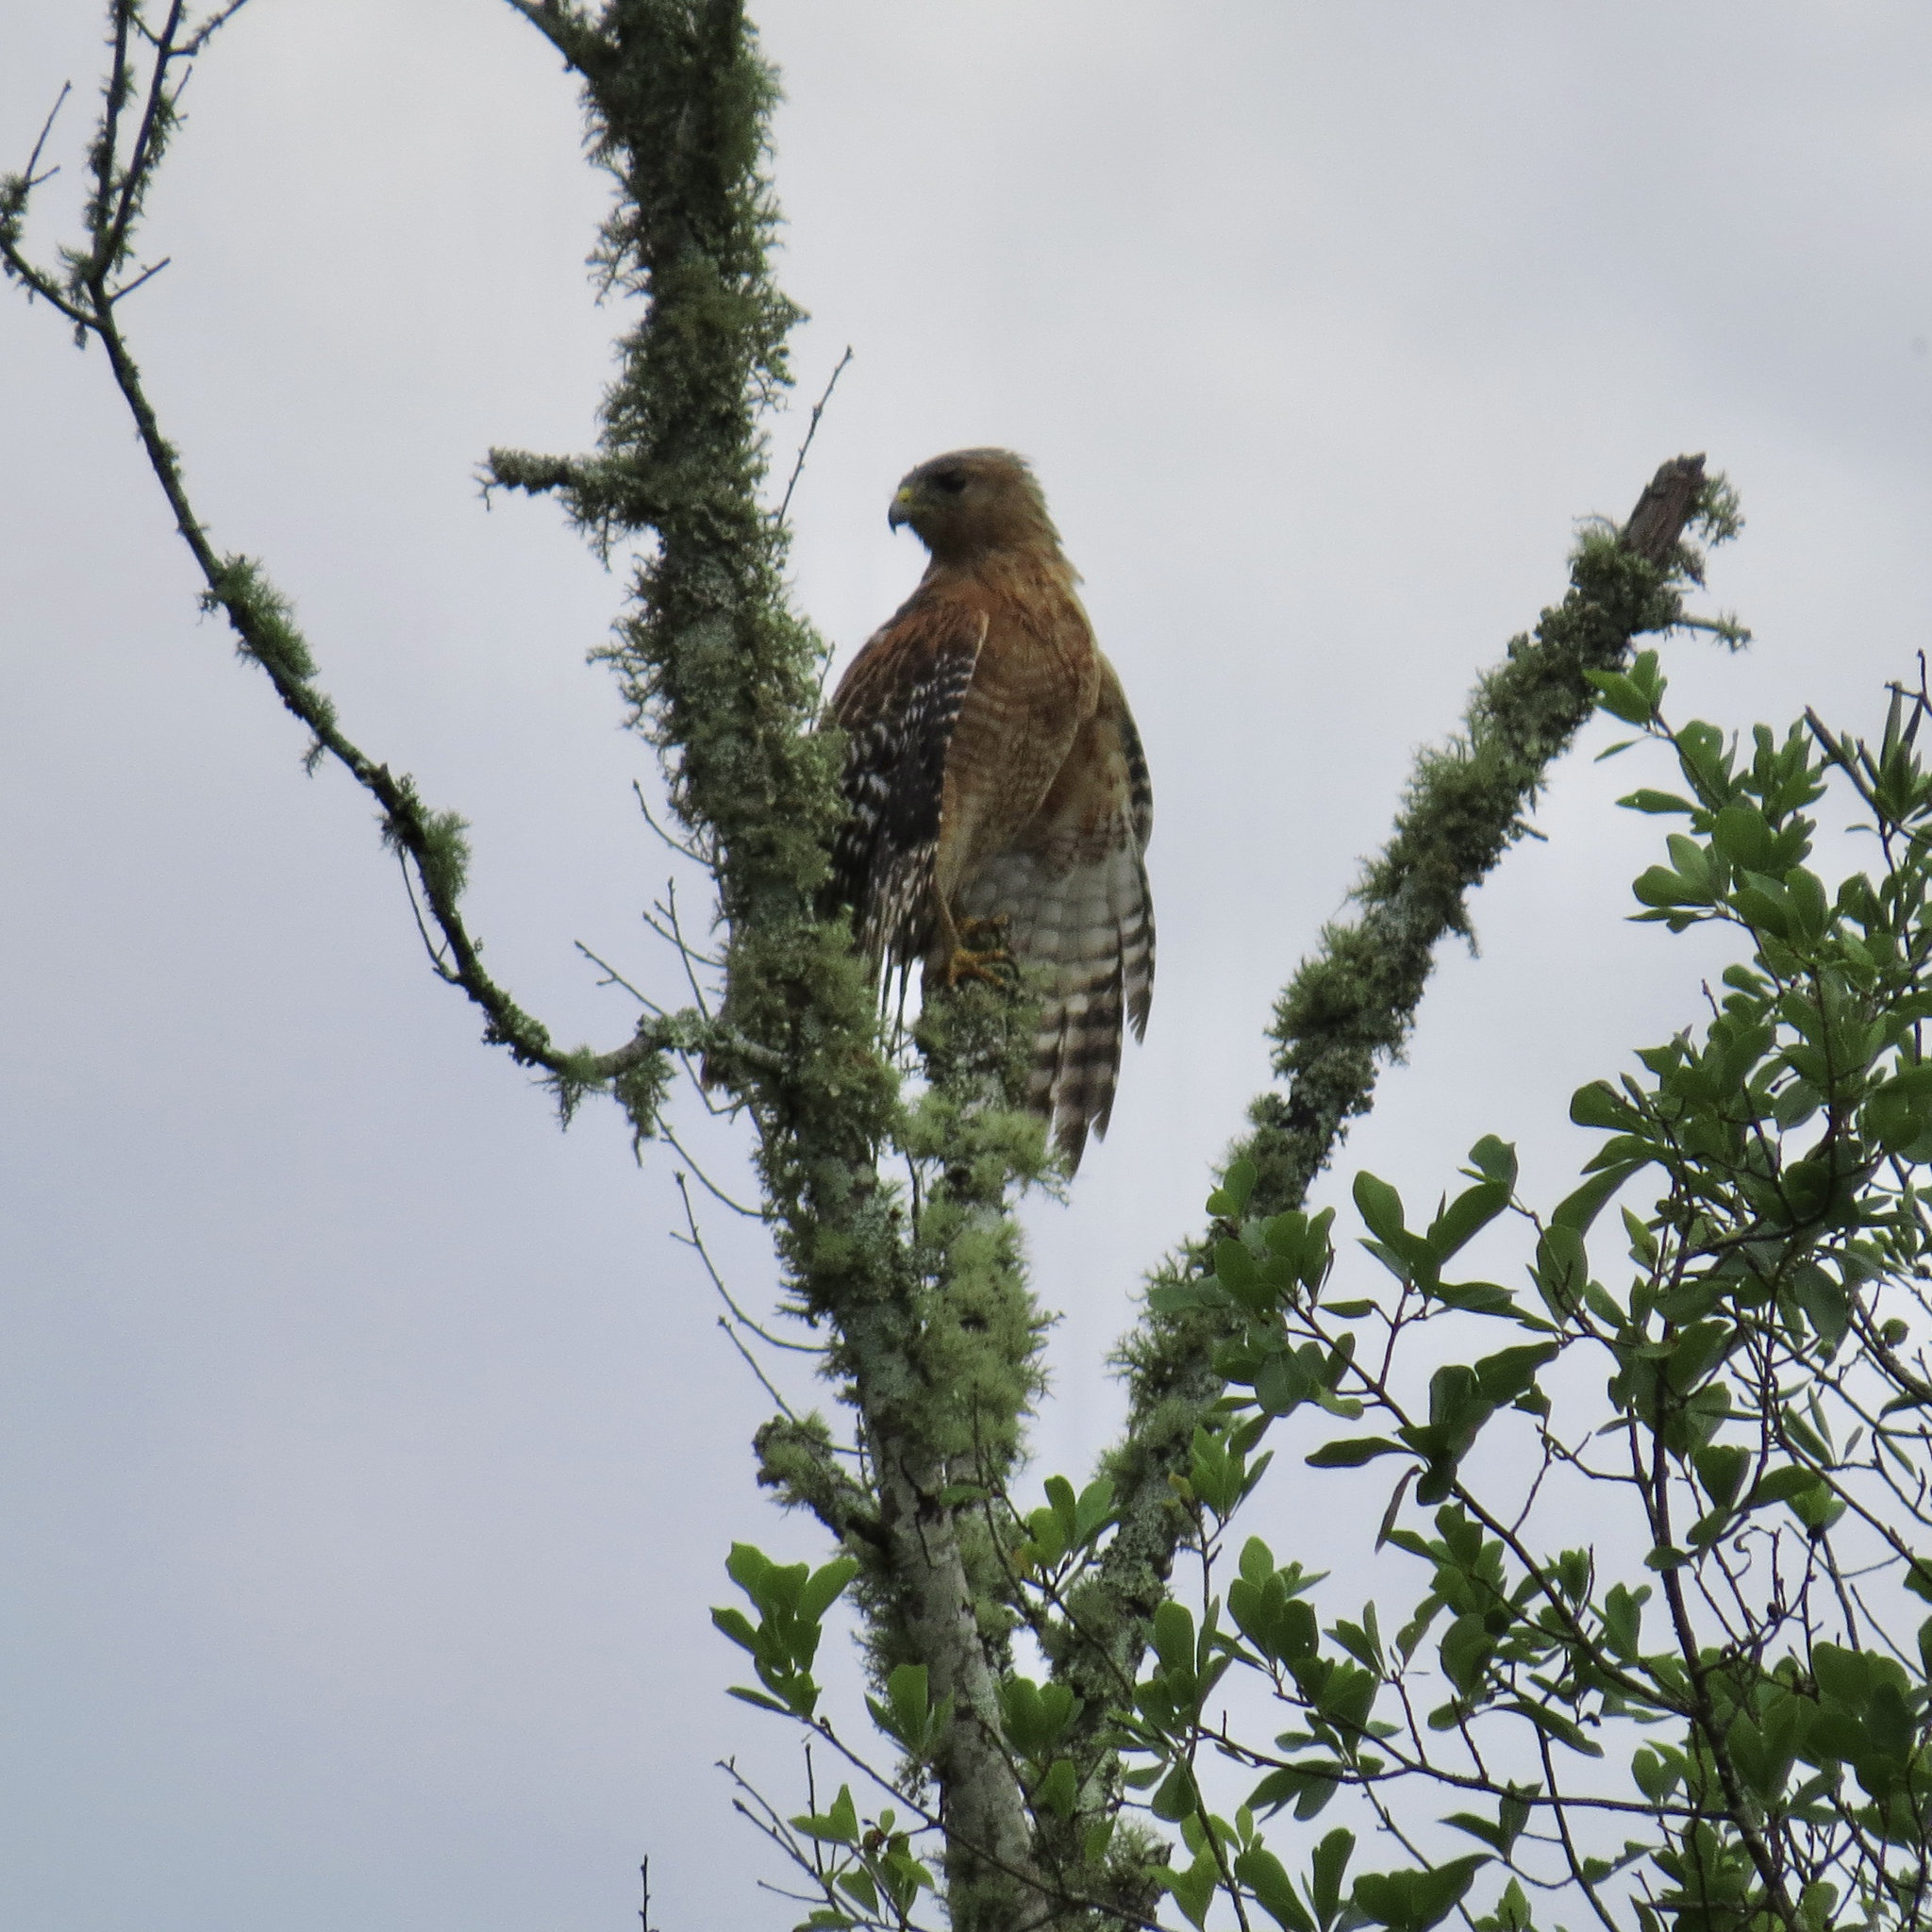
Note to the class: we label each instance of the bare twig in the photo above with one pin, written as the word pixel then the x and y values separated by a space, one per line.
pixel 30 180
pixel 811 430
pixel 147 274
pixel 668 906
pixel 671 838
pixel 705 1180
pixel 613 978
pixel 696 1240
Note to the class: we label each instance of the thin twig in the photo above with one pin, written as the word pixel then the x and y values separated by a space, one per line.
pixel 147 274
pixel 676 843
pixel 751 1362
pixel 697 1241
pixel 210 27
pixel 613 978
pixel 438 963
pixel 141 156
pixel 709 1185
pixel 671 938
pixel 811 430
pixel 684 951
pixel 29 179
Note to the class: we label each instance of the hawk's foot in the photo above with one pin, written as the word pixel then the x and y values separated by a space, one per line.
pixel 980 952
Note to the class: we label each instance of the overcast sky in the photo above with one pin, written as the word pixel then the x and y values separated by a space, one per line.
pixel 367 1453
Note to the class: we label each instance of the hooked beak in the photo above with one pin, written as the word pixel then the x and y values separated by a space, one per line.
pixel 901 511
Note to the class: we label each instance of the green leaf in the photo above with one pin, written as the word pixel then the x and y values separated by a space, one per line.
pixel 1093 1511
pixel 737 1626
pixel 1227 1201
pixel 1494 1159
pixel 1512 1912
pixel 1511 1372
pixel 1466 1647
pixel 1261 1872
pixel 758 1698
pixel 1623 1618
pixel 844 1816
pixel 857 1882
pixel 1327 1864
pixel 1193 1890
pixel 1619 696
pixel 1512 1814
pixel 1380 1207
pixel 1302 1243
pixel 1501 1833
pixel 1721 1470
pixel 1282 1384
pixel 1059 1788
pixel 1645 799
pixel 822 1591
pixel 1599 1105
pixel 1307 1787
pixel 1176 1297
pixel 1658 1773
pixel 1579 1210
pixel 1480 1298
pixel 1176 1798
pixel 1743 835
pixel 747 1567
pixel 838 1826
pixel 1465 1216
pixel 907 1690
pixel 1553 1723
pixel 1363 1640
pixel 1415 1900
pixel 1350 1452
pixel 1648 677
pixel 1825 1304
pixel 1780 1485
pixel 1662 888
pixel 1174 1635
pixel 1476 1827
pixel 1562 1268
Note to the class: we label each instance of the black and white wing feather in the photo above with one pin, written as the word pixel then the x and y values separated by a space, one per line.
pixel 898 705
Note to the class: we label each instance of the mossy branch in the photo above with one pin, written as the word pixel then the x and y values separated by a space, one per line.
pixel 431 842
pixel 1350 1008
pixel 934 1337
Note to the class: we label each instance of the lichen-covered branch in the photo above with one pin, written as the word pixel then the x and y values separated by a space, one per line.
pixel 1350 1008
pixel 934 1335
pixel 431 842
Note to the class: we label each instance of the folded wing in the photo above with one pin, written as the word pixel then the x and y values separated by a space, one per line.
pixel 898 704
pixel 1072 889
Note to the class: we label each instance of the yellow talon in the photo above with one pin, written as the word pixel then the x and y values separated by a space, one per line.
pixel 980 952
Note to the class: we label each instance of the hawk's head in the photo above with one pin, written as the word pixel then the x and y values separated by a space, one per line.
pixel 974 500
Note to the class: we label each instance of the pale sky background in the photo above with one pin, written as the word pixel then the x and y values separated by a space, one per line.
pixel 367 1453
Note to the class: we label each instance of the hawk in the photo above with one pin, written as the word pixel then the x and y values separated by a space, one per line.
pixel 998 798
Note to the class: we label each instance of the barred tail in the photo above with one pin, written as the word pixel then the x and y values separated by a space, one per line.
pixel 1086 928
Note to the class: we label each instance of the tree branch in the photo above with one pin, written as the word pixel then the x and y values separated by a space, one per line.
pixel 1351 1007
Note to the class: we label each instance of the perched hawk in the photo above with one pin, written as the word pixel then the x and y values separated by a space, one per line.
pixel 998 792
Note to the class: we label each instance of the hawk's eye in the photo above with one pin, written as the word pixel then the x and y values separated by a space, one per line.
pixel 951 481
